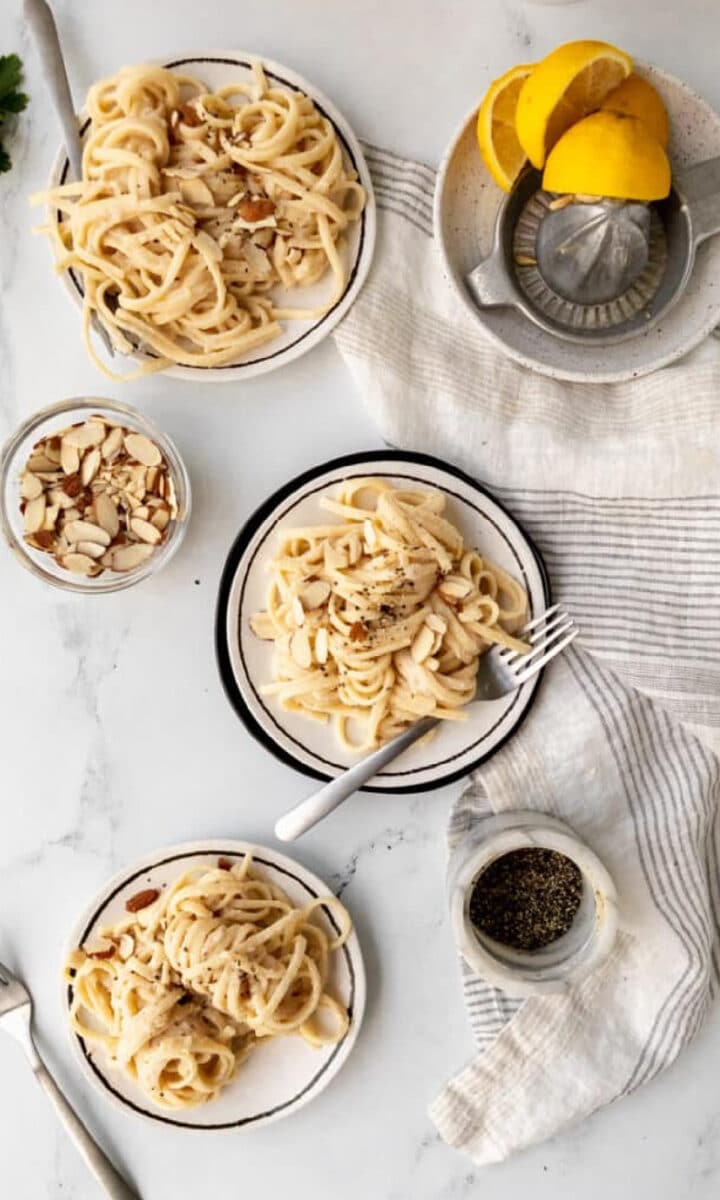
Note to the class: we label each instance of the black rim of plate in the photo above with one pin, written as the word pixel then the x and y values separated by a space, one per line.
pixel 238 548
pixel 163 1117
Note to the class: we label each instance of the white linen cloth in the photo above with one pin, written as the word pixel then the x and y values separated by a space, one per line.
pixel 619 487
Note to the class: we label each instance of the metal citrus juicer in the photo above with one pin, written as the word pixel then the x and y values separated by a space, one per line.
pixel 596 270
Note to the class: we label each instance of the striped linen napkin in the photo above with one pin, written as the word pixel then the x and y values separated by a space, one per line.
pixel 619 487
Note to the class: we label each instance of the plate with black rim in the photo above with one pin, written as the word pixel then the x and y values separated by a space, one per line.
pixel 216 68
pixel 279 1076
pixel 245 661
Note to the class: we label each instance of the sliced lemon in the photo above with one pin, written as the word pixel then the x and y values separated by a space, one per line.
pixel 562 89
pixel 609 154
pixel 638 98
pixel 501 151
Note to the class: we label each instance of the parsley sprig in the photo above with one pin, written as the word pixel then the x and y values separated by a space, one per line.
pixel 12 100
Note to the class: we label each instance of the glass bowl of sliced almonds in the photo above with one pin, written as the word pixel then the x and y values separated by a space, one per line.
pixel 95 497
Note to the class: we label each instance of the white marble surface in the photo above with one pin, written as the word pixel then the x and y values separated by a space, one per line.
pixel 116 737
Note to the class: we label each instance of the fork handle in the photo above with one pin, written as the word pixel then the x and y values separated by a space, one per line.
pixel 39 17
pixel 110 1180
pixel 309 812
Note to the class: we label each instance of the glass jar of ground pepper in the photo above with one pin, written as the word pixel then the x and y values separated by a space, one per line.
pixel 528 898
pixel 532 908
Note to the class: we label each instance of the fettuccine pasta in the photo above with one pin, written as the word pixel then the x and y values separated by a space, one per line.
pixel 380 618
pixel 193 206
pixel 180 991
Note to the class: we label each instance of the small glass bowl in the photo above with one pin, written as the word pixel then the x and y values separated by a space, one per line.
pixel 561 963
pixel 15 454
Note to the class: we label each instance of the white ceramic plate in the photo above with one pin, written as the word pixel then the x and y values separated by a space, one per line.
pixel 278 1078
pixel 245 660
pixel 466 204
pixel 217 68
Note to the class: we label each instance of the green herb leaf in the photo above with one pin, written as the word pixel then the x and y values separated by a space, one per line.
pixel 12 101
pixel 10 73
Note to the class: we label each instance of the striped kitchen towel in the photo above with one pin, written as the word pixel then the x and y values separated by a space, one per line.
pixel 619 486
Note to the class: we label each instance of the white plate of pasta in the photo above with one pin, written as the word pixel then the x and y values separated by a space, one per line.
pixel 358 599
pixel 225 221
pixel 214 985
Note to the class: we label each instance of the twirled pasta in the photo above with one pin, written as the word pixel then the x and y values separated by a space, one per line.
pixel 179 992
pixel 382 617
pixel 193 205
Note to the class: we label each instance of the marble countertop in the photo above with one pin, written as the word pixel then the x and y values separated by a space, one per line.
pixel 117 738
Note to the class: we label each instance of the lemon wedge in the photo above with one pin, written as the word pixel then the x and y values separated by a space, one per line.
pixel 637 97
pixel 562 89
pixel 609 154
pixel 497 138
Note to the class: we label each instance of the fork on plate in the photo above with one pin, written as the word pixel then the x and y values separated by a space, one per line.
pixel 16 1019
pixel 500 671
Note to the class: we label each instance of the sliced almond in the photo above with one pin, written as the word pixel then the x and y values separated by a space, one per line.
pixel 69 458
pixel 34 515
pixel 145 531
pixel 92 549
pixel 112 443
pixel 436 623
pixel 44 539
pixel 126 946
pixel 143 450
pixel 455 586
pixel 90 433
pixel 300 648
pixel 39 462
pixel 423 644
pixel 195 191
pixel 51 449
pixel 79 564
pixel 321 645
pixel 89 467
pixel 51 515
pixel 298 611
pixel 85 531
pixel 128 557
pixel 262 626
pixel 106 514
pixel 142 900
pixel 315 594
pixel 160 518
pixel 335 559
pixel 170 496
pixel 151 478
pixel 30 486
pixel 142 513
pixel 61 498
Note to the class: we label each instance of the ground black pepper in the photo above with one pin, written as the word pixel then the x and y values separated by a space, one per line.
pixel 527 898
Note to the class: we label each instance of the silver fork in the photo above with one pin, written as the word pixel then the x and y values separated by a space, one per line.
pixel 16 1019
pixel 500 671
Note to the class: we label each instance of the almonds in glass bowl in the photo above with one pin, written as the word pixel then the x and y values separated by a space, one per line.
pixel 94 496
pixel 98 496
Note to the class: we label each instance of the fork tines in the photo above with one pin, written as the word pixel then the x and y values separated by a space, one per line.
pixel 548 635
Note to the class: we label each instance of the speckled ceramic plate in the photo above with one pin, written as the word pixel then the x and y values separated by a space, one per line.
pixel 466 204
pixel 245 660
pixel 279 1077
pixel 218 68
